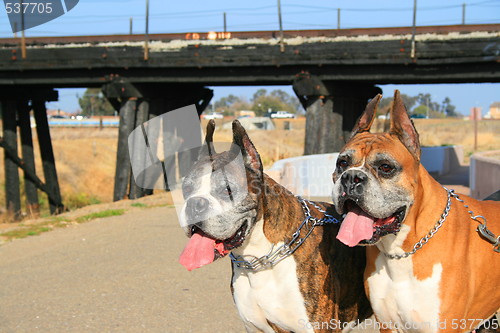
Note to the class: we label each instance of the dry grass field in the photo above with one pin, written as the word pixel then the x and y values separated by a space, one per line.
pixel 85 157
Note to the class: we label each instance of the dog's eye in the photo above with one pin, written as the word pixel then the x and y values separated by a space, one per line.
pixel 226 191
pixel 342 164
pixel 186 190
pixel 385 168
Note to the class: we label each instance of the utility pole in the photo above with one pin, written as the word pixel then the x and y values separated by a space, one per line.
pixel 338 18
pixel 427 107
pixel 23 38
pixel 476 112
pixel 225 25
pixel 463 13
pixel 282 43
pixel 146 36
pixel 414 29
pixel 131 24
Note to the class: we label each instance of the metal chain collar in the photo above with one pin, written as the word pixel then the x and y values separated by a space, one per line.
pixel 274 256
pixel 482 229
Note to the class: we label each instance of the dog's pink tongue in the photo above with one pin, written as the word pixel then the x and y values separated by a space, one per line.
pixel 357 226
pixel 198 252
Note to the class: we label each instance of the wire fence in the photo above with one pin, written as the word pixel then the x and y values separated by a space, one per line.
pixel 295 17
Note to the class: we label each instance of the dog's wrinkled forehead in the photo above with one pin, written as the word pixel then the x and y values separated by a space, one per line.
pixel 221 169
pixel 367 147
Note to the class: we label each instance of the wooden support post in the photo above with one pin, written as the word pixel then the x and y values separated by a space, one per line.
pixel 159 99
pixel 28 173
pixel 332 110
pixel 139 156
pixel 155 109
pixel 47 154
pixel 122 173
pixel 321 127
pixel 23 113
pixel 349 102
pixel 12 192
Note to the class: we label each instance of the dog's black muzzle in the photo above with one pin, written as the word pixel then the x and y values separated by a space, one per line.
pixel 353 183
pixel 197 208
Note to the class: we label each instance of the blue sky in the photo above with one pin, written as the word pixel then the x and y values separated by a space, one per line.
pixel 112 17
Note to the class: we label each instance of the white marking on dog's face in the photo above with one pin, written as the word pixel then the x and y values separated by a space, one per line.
pixel 202 188
pixel 222 185
pixel 378 184
pixel 381 196
pixel 398 297
pixel 272 294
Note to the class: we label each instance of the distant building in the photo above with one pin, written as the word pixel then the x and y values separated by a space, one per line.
pixel 58 112
pixel 494 112
pixel 475 113
pixel 244 113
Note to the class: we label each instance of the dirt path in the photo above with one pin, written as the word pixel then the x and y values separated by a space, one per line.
pixel 118 274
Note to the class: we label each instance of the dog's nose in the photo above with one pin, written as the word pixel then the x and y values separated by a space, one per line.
pixel 353 182
pixel 196 206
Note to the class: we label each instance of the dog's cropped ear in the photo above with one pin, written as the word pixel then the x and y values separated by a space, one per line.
pixel 208 148
pixel 402 126
pixel 366 119
pixel 250 154
pixel 209 137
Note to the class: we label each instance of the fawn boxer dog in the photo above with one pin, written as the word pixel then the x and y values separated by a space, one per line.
pixel 432 256
pixel 290 274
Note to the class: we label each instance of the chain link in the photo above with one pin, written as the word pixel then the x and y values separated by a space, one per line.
pixel 273 257
pixel 482 229
pixel 431 233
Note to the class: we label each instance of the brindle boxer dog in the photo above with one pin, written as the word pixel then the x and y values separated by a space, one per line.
pixel 313 289
pixel 429 269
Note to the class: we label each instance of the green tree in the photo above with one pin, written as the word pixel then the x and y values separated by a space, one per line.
pixel 293 101
pixel 421 110
pixel 448 108
pixel 257 94
pixel 385 103
pixel 93 103
pixel 267 103
pixel 226 102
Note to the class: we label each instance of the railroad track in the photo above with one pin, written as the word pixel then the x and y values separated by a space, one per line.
pixel 442 29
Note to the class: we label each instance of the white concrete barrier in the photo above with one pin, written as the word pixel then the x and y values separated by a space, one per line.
pixel 442 160
pixel 484 174
pixel 311 175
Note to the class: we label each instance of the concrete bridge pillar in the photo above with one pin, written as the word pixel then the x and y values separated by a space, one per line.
pixel 332 109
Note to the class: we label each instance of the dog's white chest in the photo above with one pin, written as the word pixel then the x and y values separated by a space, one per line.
pixel 401 301
pixel 271 294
